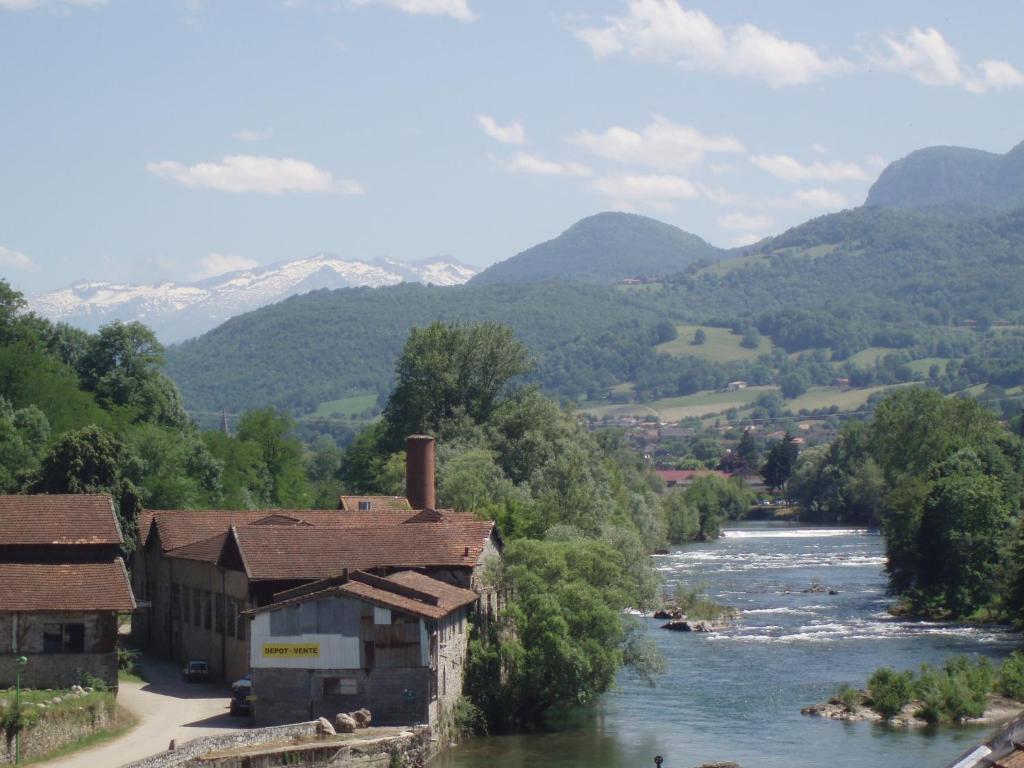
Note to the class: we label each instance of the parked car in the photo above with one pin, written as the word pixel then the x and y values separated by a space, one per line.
pixel 241 696
pixel 195 671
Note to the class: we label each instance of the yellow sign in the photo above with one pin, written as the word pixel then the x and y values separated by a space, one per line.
pixel 291 650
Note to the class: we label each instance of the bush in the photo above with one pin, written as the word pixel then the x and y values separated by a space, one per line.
pixel 469 718
pixel 848 696
pixel 890 691
pixel 1010 681
pixel 126 658
pixel 956 692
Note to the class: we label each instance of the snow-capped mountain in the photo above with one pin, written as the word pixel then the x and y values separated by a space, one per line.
pixel 177 311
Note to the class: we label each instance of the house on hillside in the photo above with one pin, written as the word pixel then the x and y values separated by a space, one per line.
pixel 395 645
pixel 201 569
pixel 683 478
pixel 62 585
pixel 735 386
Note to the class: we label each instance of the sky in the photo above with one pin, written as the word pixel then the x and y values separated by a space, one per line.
pixel 146 140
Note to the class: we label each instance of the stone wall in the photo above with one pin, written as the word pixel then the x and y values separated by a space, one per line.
pixel 54 729
pixel 186 754
pixel 453 648
pixel 21 634
pixel 287 695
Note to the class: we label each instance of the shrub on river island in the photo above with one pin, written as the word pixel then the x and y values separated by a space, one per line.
pixel 848 696
pixel 889 691
pixel 1010 681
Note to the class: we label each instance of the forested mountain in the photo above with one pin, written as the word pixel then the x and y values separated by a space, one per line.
pixel 838 284
pixel 952 175
pixel 604 249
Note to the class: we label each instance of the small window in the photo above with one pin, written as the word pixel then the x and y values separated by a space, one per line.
pixel 64 638
pixel 340 686
pixel 232 617
pixel 365 506
pixel 219 614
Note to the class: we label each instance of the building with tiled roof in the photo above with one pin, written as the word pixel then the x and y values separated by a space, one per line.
pixel 62 585
pixel 394 645
pixel 200 570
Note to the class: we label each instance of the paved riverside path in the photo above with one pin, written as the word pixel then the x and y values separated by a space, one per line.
pixel 166 708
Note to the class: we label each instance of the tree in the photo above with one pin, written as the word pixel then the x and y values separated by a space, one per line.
pixel 747 452
pixel 751 339
pixel 23 436
pixel 699 337
pixel 91 460
pixel 281 455
pixel 448 367
pixel 121 364
pixel 792 385
pixel 778 466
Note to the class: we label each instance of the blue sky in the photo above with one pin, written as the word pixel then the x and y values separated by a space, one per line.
pixel 144 140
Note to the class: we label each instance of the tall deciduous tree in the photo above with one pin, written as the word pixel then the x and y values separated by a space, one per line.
pixel 445 368
pixel 778 466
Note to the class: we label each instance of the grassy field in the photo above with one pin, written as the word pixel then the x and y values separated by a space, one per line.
pixel 925 363
pixel 348 406
pixel 722 345
pixel 825 397
pixel 675 408
pixel 867 357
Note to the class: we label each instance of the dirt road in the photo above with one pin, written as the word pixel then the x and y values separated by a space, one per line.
pixel 167 708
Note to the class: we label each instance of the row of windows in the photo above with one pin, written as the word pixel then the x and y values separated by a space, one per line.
pixel 206 610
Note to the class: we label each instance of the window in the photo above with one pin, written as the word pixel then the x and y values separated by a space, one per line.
pixel 207 609
pixel 365 506
pixel 219 600
pixel 197 607
pixel 63 638
pixel 175 600
pixel 232 617
pixel 186 605
pixel 340 686
pixel 242 622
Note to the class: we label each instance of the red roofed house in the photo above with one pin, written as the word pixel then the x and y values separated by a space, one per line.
pixel 62 584
pixel 394 645
pixel 683 478
pixel 200 569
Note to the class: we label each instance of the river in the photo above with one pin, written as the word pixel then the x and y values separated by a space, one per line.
pixel 736 695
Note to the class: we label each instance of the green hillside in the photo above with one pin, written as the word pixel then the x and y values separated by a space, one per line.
pixel 861 294
pixel 604 249
pixel 952 175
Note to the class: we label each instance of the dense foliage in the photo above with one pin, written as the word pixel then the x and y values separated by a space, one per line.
pixel 94 413
pixel 943 477
pixel 957 691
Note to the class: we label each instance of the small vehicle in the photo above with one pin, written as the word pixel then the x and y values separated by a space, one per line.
pixel 195 671
pixel 241 692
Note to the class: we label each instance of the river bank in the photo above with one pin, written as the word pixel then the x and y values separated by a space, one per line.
pixel 736 694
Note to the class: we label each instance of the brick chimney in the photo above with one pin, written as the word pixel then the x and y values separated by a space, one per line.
pixel 419 471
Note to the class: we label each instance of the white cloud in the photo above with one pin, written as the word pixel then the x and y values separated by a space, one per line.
pixel 456 9
pixel 790 169
pixel 819 149
pixel 252 173
pixel 220 263
pixel 746 239
pixel 513 133
pixel 662 144
pixel 660 187
pixel 28 5
pixel 250 134
pixel 926 56
pixel 820 198
pixel 526 162
pixel 745 221
pixel 11 259
pixel 662 30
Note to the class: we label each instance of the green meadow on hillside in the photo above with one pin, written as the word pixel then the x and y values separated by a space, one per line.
pixel 346 406
pixel 721 346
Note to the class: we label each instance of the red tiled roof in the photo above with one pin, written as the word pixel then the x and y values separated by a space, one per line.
pixel 377 503
pixel 65 587
pixel 406 592
pixel 64 519
pixel 300 553
pixel 448 595
pixel 207 550
pixel 178 527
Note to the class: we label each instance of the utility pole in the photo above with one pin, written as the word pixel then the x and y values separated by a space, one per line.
pixel 224 422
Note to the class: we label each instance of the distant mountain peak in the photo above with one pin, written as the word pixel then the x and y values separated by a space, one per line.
pixel 961 176
pixel 604 248
pixel 177 311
